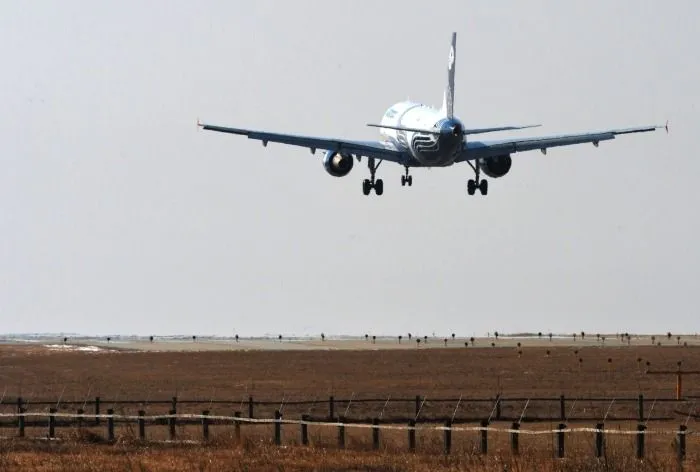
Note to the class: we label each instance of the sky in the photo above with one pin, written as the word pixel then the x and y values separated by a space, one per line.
pixel 119 216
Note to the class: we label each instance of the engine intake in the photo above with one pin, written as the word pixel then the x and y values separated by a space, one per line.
pixel 338 165
pixel 497 166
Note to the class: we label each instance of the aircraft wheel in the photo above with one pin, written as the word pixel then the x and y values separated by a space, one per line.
pixel 366 186
pixel 409 179
pixel 403 180
pixel 471 187
pixel 484 187
pixel 379 186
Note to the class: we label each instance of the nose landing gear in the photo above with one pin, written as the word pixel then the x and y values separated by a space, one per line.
pixel 406 179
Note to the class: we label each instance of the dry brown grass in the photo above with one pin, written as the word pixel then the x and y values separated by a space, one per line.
pixel 272 375
pixel 256 453
pixel 37 374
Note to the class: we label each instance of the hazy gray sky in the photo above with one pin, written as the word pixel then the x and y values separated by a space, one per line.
pixel 118 216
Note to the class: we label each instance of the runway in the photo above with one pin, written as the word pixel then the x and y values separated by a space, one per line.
pixel 210 343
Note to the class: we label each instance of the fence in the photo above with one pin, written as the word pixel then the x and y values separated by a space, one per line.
pixel 206 420
pixel 400 410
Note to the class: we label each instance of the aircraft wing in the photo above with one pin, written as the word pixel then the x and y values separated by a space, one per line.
pixel 500 128
pixel 384 150
pixel 483 149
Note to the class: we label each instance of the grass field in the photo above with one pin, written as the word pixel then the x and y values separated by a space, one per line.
pixel 573 370
pixel 253 453
pixel 254 457
pixel 35 373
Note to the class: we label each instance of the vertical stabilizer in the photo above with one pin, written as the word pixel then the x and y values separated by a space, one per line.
pixel 448 99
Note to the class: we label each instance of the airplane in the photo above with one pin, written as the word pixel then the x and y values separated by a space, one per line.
pixel 416 135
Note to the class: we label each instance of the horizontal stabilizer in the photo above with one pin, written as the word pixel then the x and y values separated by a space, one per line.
pixel 401 128
pixel 501 128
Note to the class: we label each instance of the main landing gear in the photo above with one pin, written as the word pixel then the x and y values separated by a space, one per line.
pixel 406 179
pixel 473 184
pixel 372 183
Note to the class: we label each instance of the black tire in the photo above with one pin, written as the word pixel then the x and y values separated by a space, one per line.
pixel 379 186
pixel 471 187
pixel 366 186
pixel 410 180
pixel 403 180
pixel 484 187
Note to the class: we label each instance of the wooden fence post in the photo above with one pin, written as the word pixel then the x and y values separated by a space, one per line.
pixel 97 411
pixel 484 437
pixel 52 423
pixel 278 428
pixel 80 418
pixel 304 430
pixel 331 408
pixel 681 442
pixel 412 436
pixel 171 424
pixel 375 433
pixel 205 425
pixel 110 425
pixel 562 408
pixel 498 407
pixel 20 422
pixel 560 440
pixel 250 407
pixel 640 441
pixel 514 438
pixel 341 432
pixel 237 426
pixel 174 405
pixel 599 440
pixel 19 408
pixel 418 402
pixel 640 407
pixel 142 425
pixel 448 436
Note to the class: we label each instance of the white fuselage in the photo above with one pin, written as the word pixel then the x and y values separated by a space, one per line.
pixel 428 149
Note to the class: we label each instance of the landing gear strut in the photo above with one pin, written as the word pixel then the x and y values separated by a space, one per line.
pixel 473 184
pixel 372 183
pixel 406 179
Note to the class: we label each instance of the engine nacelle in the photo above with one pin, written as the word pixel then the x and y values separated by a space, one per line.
pixel 338 165
pixel 496 166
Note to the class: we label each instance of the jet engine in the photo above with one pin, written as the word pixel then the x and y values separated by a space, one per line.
pixel 496 166
pixel 338 165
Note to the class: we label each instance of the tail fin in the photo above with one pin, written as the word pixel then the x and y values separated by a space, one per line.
pixel 448 99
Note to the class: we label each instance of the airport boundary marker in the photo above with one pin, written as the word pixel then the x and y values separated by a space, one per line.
pixel 559 408
pixel 206 420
